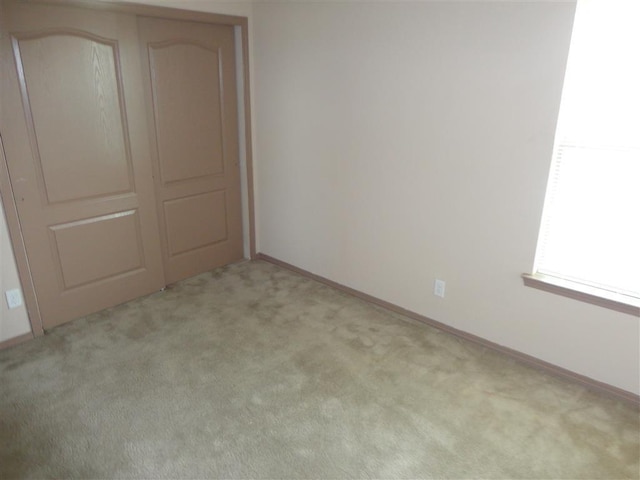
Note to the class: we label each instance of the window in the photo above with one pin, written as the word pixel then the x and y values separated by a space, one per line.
pixel 589 239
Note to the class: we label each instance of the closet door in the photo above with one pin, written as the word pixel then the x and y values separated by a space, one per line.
pixel 73 123
pixel 189 70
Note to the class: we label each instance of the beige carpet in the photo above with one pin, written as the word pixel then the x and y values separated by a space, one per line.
pixel 254 372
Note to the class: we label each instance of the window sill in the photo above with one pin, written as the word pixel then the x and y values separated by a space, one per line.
pixel 584 293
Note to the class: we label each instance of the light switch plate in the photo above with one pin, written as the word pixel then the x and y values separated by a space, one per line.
pixel 14 298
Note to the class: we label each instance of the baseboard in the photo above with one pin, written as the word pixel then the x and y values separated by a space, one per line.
pixel 555 370
pixel 16 340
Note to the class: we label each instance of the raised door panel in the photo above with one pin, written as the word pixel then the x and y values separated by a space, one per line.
pixel 98 248
pixel 192 103
pixel 196 222
pixel 186 94
pixel 75 105
pixel 74 128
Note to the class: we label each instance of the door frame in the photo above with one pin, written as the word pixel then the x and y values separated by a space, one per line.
pixel 241 35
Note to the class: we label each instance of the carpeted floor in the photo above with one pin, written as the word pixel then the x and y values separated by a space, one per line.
pixel 254 372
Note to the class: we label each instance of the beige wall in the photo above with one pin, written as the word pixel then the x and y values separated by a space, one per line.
pixel 403 142
pixel 229 7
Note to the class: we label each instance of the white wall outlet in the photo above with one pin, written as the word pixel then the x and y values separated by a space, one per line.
pixel 438 288
pixel 14 298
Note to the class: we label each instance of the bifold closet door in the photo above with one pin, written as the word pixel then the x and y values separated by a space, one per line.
pixel 73 122
pixel 189 69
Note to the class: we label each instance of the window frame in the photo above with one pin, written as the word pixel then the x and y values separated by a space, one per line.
pixel 548 280
pixel 583 293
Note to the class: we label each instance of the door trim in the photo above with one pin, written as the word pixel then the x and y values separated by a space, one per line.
pixel 241 25
pixel 19 248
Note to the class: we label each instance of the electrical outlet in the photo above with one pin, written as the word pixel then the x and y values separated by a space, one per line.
pixel 438 288
pixel 14 298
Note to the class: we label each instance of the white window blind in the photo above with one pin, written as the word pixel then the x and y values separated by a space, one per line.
pixel 590 231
